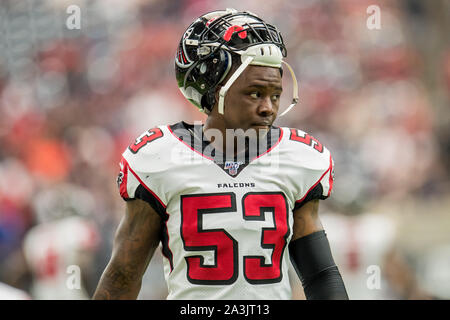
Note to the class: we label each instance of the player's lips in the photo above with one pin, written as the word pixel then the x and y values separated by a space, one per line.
pixel 264 124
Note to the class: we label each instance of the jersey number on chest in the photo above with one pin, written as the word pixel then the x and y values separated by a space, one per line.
pixel 225 247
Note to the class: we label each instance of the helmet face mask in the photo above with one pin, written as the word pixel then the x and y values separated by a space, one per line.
pixel 239 30
pixel 205 53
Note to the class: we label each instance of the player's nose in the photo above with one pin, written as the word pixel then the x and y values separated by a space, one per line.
pixel 265 107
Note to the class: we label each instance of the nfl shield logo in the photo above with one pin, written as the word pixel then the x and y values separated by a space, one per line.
pixel 232 167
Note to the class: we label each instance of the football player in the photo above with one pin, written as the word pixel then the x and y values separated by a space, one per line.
pixel 62 243
pixel 232 200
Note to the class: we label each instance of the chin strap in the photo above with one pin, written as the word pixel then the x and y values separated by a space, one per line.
pixel 236 74
pixel 294 90
pixel 248 60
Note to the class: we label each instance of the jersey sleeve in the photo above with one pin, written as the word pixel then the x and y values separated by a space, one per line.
pixel 321 189
pixel 135 177
pixel 313 168
pixel 126 181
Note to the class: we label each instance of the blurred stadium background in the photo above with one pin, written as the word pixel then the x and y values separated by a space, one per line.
pixel 72 100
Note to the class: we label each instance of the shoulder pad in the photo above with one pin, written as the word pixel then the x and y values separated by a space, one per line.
pixel 307 150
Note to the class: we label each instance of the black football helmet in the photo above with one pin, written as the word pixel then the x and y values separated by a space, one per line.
pixel 210 44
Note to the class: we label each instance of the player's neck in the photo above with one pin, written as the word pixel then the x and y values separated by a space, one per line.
pixel 216 132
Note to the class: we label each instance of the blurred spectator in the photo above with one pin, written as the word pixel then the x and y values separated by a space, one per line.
pixel 60 249
pixel 359 243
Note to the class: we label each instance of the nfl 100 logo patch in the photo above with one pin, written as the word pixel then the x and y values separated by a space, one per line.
pixel 232 167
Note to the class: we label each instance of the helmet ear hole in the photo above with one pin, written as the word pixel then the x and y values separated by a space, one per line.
pixel 228 60
pixel 221 64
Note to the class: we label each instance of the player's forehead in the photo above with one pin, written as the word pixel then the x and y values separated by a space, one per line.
pixel 259 76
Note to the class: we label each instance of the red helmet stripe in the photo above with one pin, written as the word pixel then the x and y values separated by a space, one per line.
pixel 233 29
pixel 184 57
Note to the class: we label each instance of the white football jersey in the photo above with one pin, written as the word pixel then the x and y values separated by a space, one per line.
pixel 226 224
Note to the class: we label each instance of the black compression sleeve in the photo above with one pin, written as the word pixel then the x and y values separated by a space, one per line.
pixel 314 264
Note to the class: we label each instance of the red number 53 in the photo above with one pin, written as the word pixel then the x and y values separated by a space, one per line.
pixel 225 247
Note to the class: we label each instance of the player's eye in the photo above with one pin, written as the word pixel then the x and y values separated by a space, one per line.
pixel 276 97
pixel 255 95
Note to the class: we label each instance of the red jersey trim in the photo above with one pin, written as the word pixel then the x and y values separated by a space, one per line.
pixel 204 156
pixel 123 184
pixel 190 147
pixel 272 147
pixel 331 179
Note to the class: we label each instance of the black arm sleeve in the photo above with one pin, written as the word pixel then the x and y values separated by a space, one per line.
pixel 314 264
